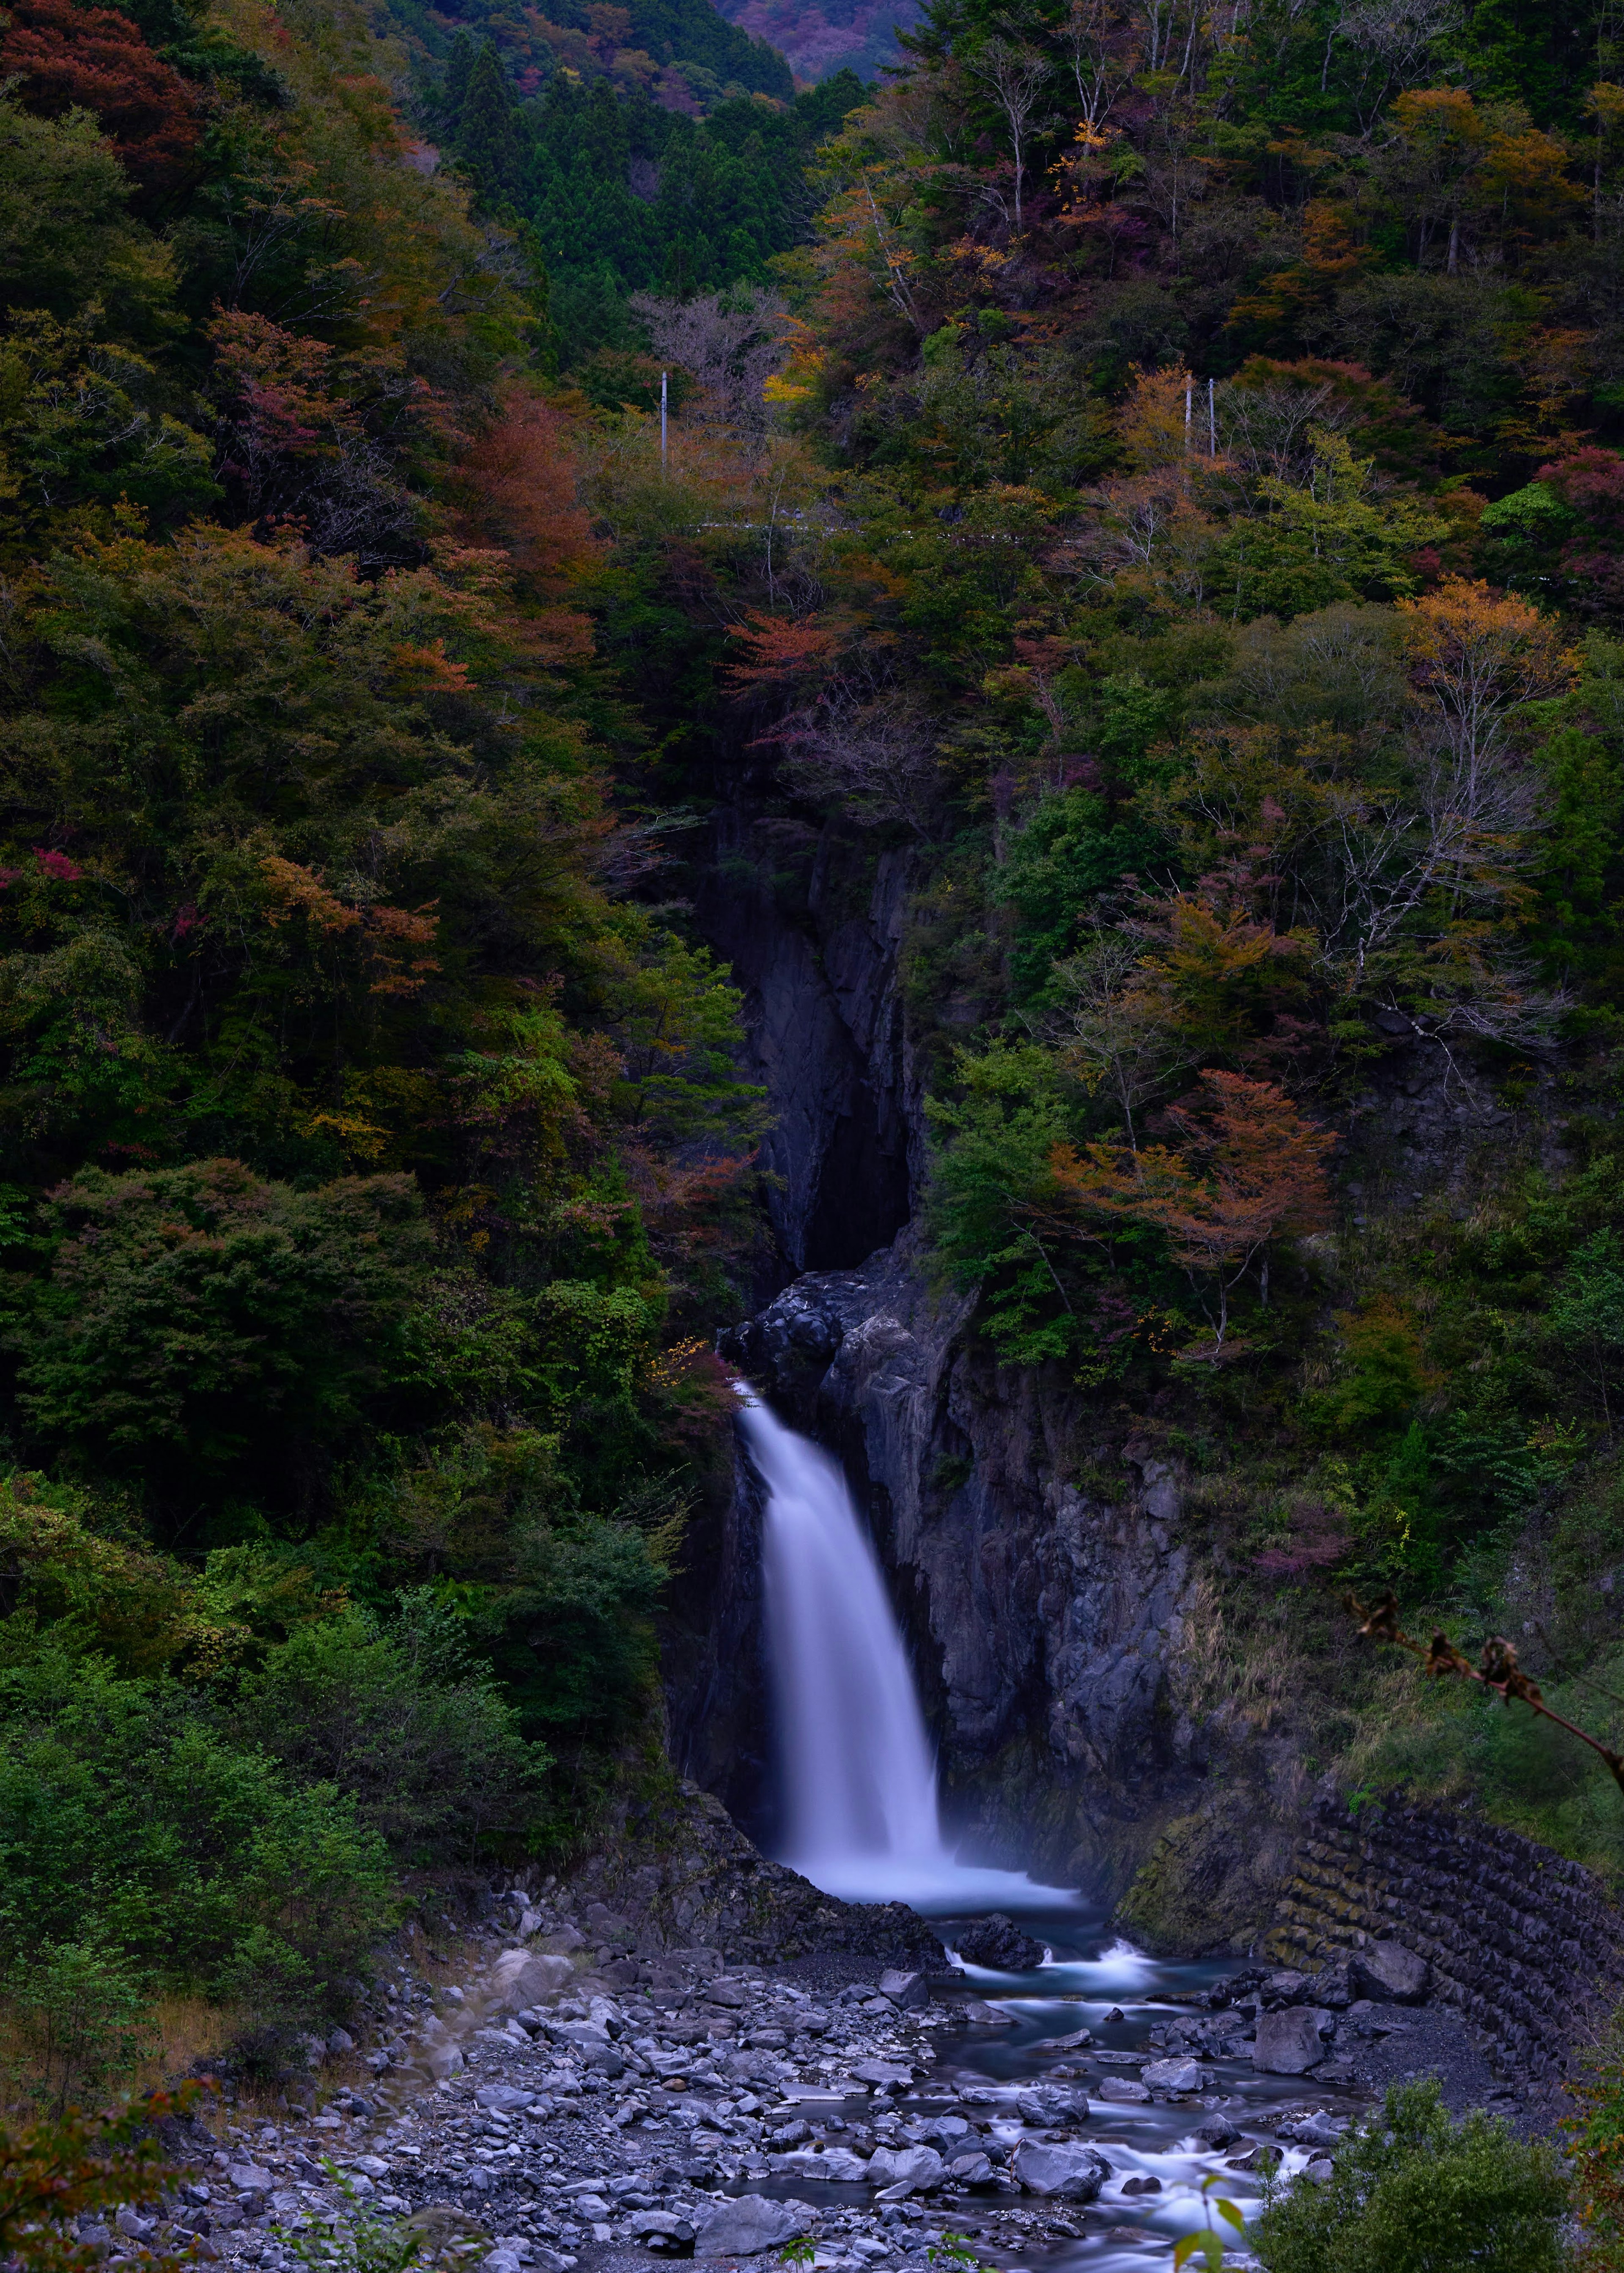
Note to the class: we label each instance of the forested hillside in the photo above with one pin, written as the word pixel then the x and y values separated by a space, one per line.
pixel 1191 535
pixel 371 1155
pixel 1159 474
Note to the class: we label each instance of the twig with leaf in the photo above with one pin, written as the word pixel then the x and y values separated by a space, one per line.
pixel 1496 1669
pixel 1206 2242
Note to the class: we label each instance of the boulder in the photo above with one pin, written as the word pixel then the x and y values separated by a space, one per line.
pixel 1072 2172
pixel 1172 2074
pixel 918 2169
pixel 997 1944
pixel 972 2170
pixel 1217 2131
pixel 522 1978
pixel 442 2060
pixel 745 2227
pixel 505 2098
pixel 910 1991
pixel 1123 2088
pixel 881 2074
pixel 1386 1972
pixel 249 2179
pixel 1051 2104
pixel 1288 2041
pixel 838 2167
pixel 663 2224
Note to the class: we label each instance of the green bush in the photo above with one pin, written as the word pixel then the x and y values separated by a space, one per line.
pixel 201 1324
pixel 126 1816
pixel 83 2017
pixel 431 1756
pixel 1413 2192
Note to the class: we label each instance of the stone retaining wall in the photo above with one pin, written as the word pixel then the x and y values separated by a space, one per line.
pixel 1523 1943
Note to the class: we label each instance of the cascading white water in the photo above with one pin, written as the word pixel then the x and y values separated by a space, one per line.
pixel 858 1773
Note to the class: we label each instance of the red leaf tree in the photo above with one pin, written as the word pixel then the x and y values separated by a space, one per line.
pixel 1252 1172
pixel 92 59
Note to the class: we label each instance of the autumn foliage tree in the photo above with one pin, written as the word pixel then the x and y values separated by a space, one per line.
pixel 67 58
pixel 1250 1172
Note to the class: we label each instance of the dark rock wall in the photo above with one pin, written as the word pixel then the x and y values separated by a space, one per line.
pixel 712 1671
pixel 1524 1943
pixel 810 925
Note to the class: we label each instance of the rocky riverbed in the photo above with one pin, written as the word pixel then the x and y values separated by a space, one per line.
pixel 571 2100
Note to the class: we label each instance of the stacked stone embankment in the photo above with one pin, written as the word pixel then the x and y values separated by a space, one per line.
pixel 1523 1944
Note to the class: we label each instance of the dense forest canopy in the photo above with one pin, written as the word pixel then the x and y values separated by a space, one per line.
pixel 1157 473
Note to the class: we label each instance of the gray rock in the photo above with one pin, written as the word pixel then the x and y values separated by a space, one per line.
pixel 341 2041
pixel 522 1978
pixel 1123 2089
pixel 1311 2131
pixel 371 2166
pixel 506 2098
pixel 249 2179
pixel 998 1944
pixel 1217 2131
pixel 919 2169
pixel 1288 2042
pixel 879 2073
pixel 647 2225
pixel 838 2167
pixel 1321 2171
pixel 1072 2172
pixel 745 2227
pixel 909 1990
pixel 972 2169
pixel 133 2226
pixel 1172 2075
pixel 1052 2104
pixel 1387 1970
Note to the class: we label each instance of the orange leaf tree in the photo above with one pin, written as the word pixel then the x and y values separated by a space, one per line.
pixel 52 2172
pixel 1252 1172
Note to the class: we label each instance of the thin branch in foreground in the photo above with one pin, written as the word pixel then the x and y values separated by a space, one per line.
pixel 1497 1670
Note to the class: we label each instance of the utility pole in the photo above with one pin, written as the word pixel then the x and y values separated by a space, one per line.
pixel 1187 394
pixel 662 378
pixel 1212 419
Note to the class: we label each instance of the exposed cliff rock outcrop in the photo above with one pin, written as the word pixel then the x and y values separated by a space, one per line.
pixel 811 924
pixel 1041 1599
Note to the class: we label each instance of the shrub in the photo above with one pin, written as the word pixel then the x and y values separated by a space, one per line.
pixel 83 2017
pixel 1413 2192
pixel 419 1737
pixel 126 1816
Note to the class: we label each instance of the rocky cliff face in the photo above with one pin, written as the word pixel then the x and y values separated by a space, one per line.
pixel 811 923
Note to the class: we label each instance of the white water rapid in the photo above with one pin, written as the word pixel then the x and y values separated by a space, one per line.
pixel 858 1773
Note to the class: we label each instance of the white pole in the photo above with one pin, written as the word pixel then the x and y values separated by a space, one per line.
pixel 1212 418
pixel 663 377
pixel 1187 393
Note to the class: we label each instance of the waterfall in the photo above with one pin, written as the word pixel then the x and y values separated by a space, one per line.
pixel 858 1769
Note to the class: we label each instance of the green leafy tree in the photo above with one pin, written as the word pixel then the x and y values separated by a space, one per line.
pixel 1412 2192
